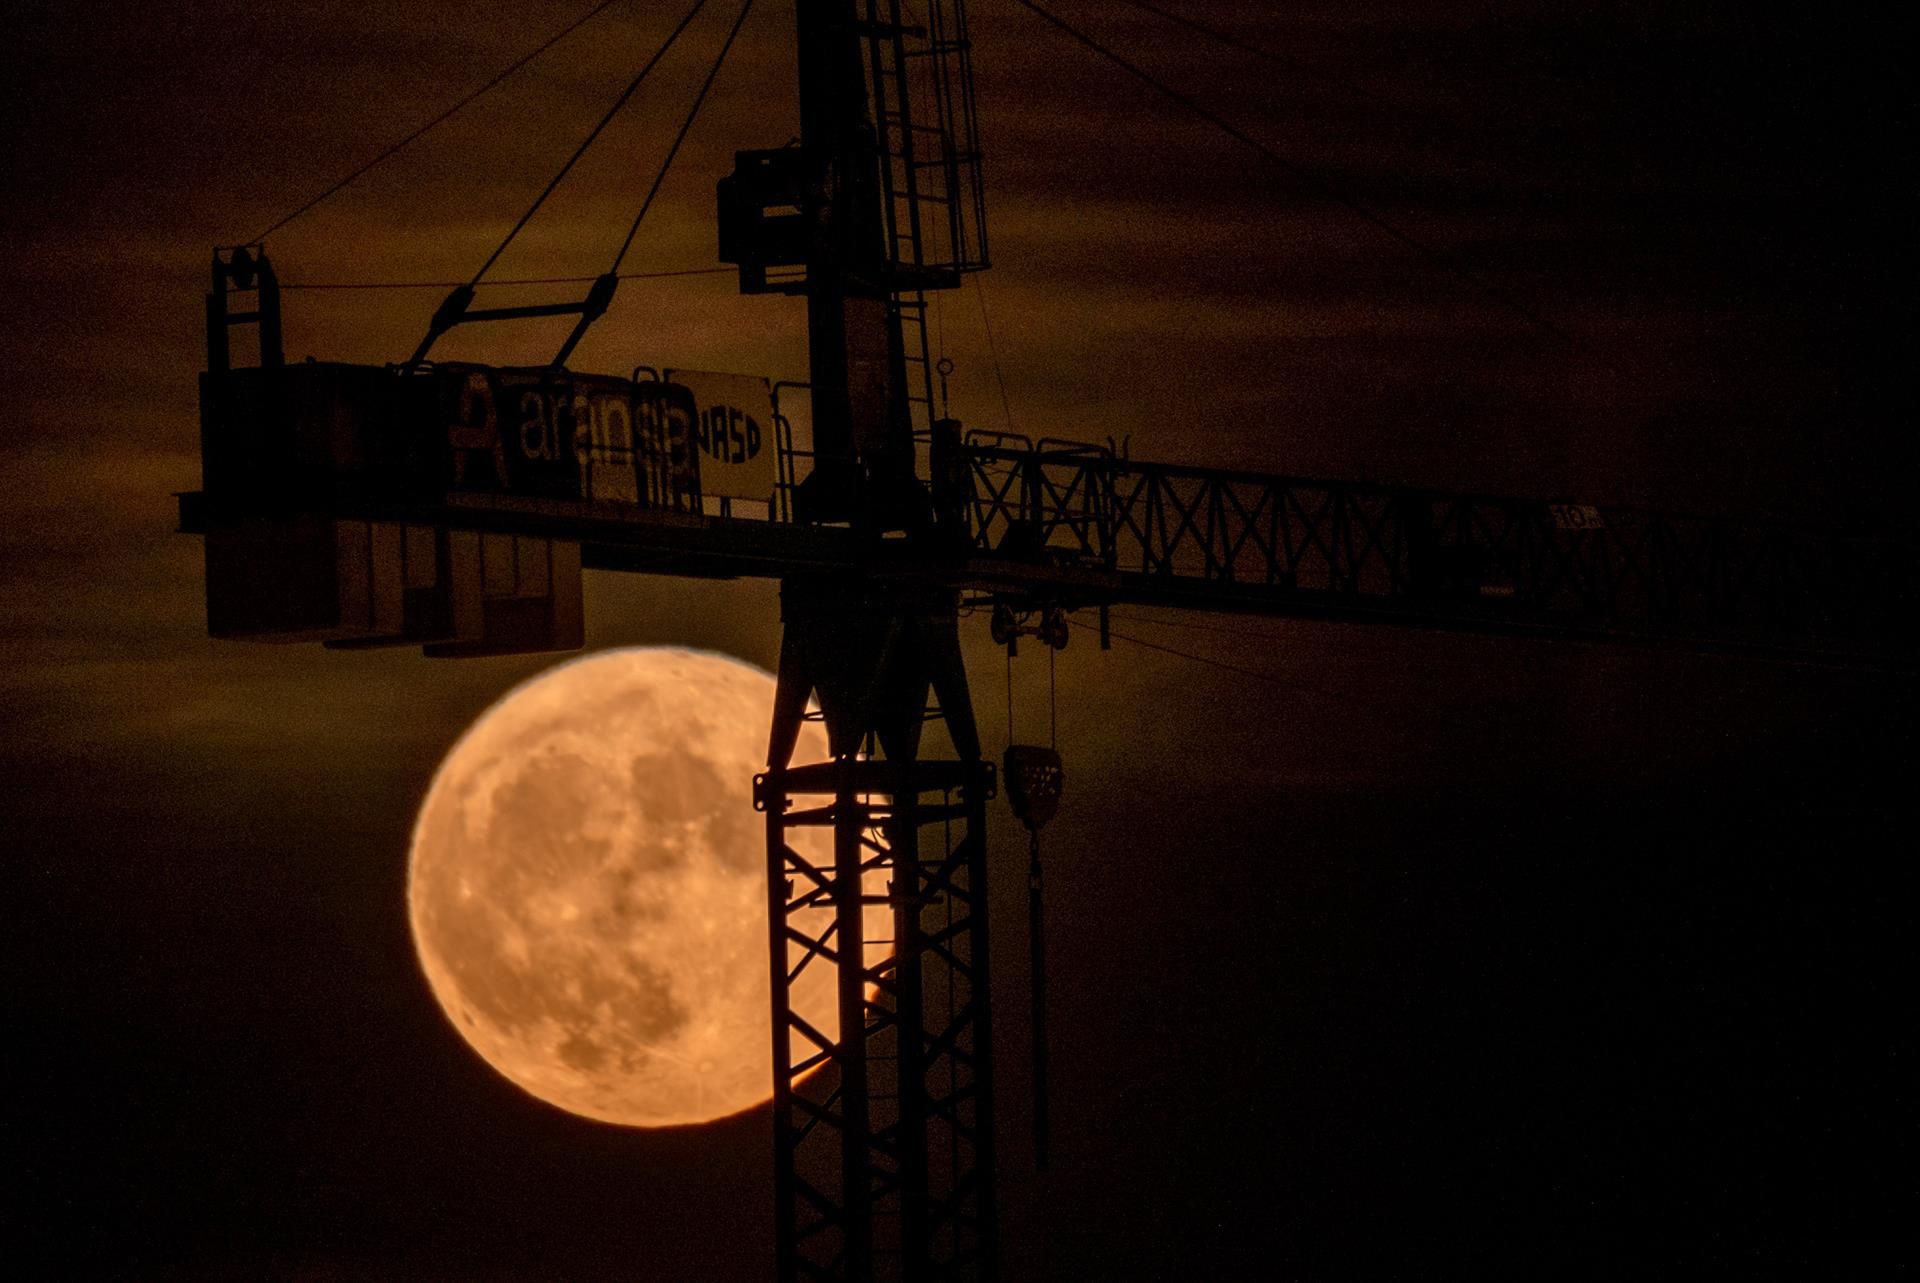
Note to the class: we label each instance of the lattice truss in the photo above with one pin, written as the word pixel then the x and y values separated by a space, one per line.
pixel 892 854
pixel 1377 546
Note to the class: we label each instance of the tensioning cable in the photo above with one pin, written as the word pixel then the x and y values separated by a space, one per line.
pixel 605 285
pixel 477 94
pixel 698 101
pixel 1461 271
pixel 502 284
pixel 633 87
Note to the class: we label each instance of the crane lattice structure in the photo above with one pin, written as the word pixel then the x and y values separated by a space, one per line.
pixel 454 507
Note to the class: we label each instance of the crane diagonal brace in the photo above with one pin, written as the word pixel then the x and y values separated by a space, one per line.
pixel 899 1184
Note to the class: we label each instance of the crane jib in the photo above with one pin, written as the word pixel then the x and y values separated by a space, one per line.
pixel 695 470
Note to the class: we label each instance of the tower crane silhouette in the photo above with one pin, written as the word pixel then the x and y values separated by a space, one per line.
pixel 453 506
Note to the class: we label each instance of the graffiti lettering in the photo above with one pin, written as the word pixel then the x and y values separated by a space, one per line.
pixel 475 429
pixel 570 436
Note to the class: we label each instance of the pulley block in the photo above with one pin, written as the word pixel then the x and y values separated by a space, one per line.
pixel 1008 625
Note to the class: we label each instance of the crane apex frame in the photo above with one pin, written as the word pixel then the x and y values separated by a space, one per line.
pixel 454 507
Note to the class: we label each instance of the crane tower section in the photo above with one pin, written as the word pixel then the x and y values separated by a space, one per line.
pixel 880 200
pixel 886 1172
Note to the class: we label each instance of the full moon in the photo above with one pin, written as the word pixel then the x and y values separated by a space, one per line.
pixel 587 888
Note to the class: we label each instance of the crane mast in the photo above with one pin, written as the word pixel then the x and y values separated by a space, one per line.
pixel 886 1169
pixel 454 507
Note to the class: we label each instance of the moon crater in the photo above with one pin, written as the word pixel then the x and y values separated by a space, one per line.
pixel 587 888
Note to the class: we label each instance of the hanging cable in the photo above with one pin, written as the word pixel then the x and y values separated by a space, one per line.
pixel 522 280
pixel 1227 38
pixel 601 295
pixel 685 125
pixel 993 353
pixel 482 91
pixel 1053 702
pixel 633 87
pixel 1398 710
pixel 1009 697
pixel 1191 625
pixel 1037 996
pixel 455 308
pixel 1453 265
pixel 1195 625
pixel 1033 777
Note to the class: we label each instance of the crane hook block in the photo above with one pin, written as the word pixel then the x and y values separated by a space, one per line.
pixel 1033 778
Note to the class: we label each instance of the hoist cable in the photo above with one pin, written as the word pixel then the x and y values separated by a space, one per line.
pixel 632 87
pixel 1009 696
pixel 1037 994
pixel 1307 176
pixel 1053 702
pixel 685 125
pixel 939 327
pixel 482 91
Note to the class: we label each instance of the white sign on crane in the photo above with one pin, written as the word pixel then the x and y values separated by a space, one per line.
pixel 733 431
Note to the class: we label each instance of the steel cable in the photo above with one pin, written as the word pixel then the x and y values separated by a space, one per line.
pixel 679 138
pixel 1385 225
pixel 518 280
pixel 481 92
pixel 633 86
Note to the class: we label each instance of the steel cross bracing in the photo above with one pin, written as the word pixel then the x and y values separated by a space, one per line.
pixel 884 1165
pixel 1169 534
pixel 1078 525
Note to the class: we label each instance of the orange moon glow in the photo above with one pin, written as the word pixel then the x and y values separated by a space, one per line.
pixel 588 888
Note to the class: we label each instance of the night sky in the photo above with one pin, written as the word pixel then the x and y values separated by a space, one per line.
pixel 1419 956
